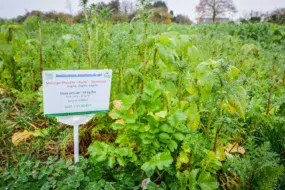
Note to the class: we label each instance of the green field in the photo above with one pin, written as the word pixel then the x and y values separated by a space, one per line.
pixel 193 107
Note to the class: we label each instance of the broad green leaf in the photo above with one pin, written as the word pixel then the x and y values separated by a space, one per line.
pixel 206 78
pixel 109 186
pixel 128 101
pixel 234 72
pixel 192 178
pixel 166 128
pixel 211 163
pixel 116 126
pixel 207 182
pixel 239 101
pixel 194 54
pixel 149 172
pixel 166 41
pixel 123 151
pixel 1 66
pixel 130 118
pixel 152 89
pixel 172 145
pixel 111 161
pixel 102 157
pixel 146 141
pixel 193 116
pixel 179 136
pixel 160 161
pixel 121 161
pixel 96 185
pixel 164 136
pixel 165 54
pixel 164 161
pixel 192 90
pixel 17 57
pixel 176 118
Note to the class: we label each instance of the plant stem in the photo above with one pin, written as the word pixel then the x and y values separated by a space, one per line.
pixel 270 90
pixel 269 97
pixel 41 47
pixel 87 28
pixel 220 113
pixel 144 57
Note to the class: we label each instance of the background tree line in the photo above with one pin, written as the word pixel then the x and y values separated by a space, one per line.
pixel 126 10
pixel 114 11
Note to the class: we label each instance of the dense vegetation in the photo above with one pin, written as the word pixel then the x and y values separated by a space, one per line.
pixel 193 107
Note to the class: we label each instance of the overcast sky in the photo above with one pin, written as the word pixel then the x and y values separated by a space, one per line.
pixel 13 8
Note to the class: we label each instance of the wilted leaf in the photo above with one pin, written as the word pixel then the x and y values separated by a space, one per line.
pixel 117 104
pixel 114 114
pixel 120 121
pixel 21 136
pixel 234 148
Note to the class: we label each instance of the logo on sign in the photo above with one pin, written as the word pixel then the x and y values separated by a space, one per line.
pixel 49 76
pixel 107 75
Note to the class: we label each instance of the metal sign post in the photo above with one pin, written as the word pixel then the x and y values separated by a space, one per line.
pixel 75 121
pixel 76 143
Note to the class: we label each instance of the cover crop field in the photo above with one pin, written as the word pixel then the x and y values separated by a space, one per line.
pixel 192 107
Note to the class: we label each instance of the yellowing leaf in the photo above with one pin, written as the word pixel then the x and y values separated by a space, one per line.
pixel 21 136
pixel 193 116
pixel 2 91
pixel 17 58
pixel 239 101
pixel 182 159
pixel 133 144
pixel 147 128
pixel 221 155
pixel 234 71
pixel 161 114
pixel 192 90
pixel 118 104
pixel 113 115
pixel 229 108
pixel 120 121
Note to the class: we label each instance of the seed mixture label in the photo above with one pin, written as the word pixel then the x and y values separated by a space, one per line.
pixel 76 92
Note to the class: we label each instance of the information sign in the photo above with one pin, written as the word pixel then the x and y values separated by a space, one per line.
pixel 77 92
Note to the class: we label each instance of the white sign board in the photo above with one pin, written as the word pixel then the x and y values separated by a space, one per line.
pixel 76 92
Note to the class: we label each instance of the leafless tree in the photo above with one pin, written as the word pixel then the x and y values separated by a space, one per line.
pixel 127 7
pixel 69 6
pixel 214 8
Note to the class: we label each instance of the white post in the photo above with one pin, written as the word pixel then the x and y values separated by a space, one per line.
pixel 76 143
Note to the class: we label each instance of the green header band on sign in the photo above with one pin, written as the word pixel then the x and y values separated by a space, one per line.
pixel 76 113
